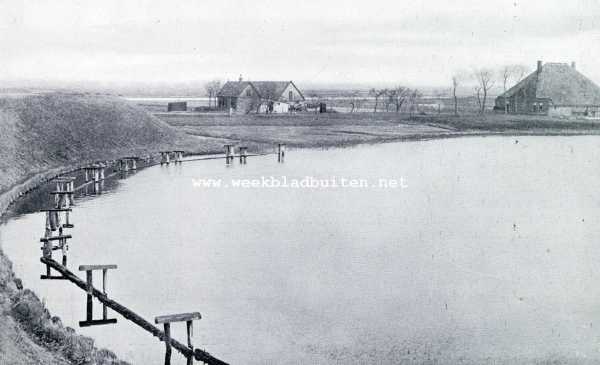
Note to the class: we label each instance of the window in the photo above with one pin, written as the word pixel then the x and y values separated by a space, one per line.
pixel 249 92
pixel 291 95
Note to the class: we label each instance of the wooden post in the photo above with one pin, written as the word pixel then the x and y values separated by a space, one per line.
pixel 87 175
pixel 63 247
pixel 167 343
pixel 190 333
pixel 243 155
pixel 228 154
pixel 133 164
pixel 90 302
pixel 281 152
pixel 104 310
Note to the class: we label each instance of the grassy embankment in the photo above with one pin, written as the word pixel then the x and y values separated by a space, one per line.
pixel 40 136
pixel 343 129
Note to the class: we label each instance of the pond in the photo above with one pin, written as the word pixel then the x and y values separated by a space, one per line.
pixel 485 250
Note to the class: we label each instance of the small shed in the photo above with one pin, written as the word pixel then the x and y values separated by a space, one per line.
pixel 177 106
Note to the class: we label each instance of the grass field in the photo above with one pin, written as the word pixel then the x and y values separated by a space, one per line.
pixel 261 132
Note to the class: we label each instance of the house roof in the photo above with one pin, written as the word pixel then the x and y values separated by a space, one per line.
pixel 561 83
pixel 233 88
pixel 272 90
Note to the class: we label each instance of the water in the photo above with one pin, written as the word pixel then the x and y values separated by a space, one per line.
pixel 489 255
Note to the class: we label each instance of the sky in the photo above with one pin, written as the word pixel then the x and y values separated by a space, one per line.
pixel 371 42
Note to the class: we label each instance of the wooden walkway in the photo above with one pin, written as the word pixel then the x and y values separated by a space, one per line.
pixel 198 354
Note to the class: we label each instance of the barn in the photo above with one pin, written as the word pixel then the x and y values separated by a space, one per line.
pixel 268 96
pixel 555 89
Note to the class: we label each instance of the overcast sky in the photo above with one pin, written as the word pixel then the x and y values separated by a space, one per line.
pixel 341 41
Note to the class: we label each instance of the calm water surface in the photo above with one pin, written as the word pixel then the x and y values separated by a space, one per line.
pixel 490 255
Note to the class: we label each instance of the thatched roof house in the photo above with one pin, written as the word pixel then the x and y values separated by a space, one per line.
pixel 552 89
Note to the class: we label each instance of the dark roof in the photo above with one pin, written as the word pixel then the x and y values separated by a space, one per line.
pixel 272 90
pixel 233 88
pixel 561 83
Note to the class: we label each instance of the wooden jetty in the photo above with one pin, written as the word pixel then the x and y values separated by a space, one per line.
pixel 127 163
pixel 48 247
pixel 198 354
pixel 95 171
pixel 166 157
pixel 89 321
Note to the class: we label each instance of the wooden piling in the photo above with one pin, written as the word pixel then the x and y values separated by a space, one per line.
pixel 243 155
pixel 281 152
pixel 228 154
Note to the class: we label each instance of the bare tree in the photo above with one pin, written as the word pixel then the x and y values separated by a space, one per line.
pixel 377 94
pixel 212 88
pixel 354 101
pixel 512 75
pixel 520 71
pixel 506 73
pixel 477 90
pixel 413 98
pixel 485 81
pixel 455 83
pixel 398 96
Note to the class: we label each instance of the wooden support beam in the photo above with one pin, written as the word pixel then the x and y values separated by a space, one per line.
pixel 199 355
pixel 56 210
pixel 51 277
pixel 97 322
pixel 55 238
pixel 181 317
pixel 96 267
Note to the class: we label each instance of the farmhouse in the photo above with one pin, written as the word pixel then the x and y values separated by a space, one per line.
pixel 552 89
pixel 264 96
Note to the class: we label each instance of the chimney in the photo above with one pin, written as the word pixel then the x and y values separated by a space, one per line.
pixel 240 79
pixel 573 65
pixel 539 66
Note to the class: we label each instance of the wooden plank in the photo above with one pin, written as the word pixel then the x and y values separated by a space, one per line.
pixel 65 179
pixel 97 322
pixel 96 267
pixel 52 277
pixel 199 355
pixel 62 193
pixel 181 317
pixel 56 210
pixel 55 238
